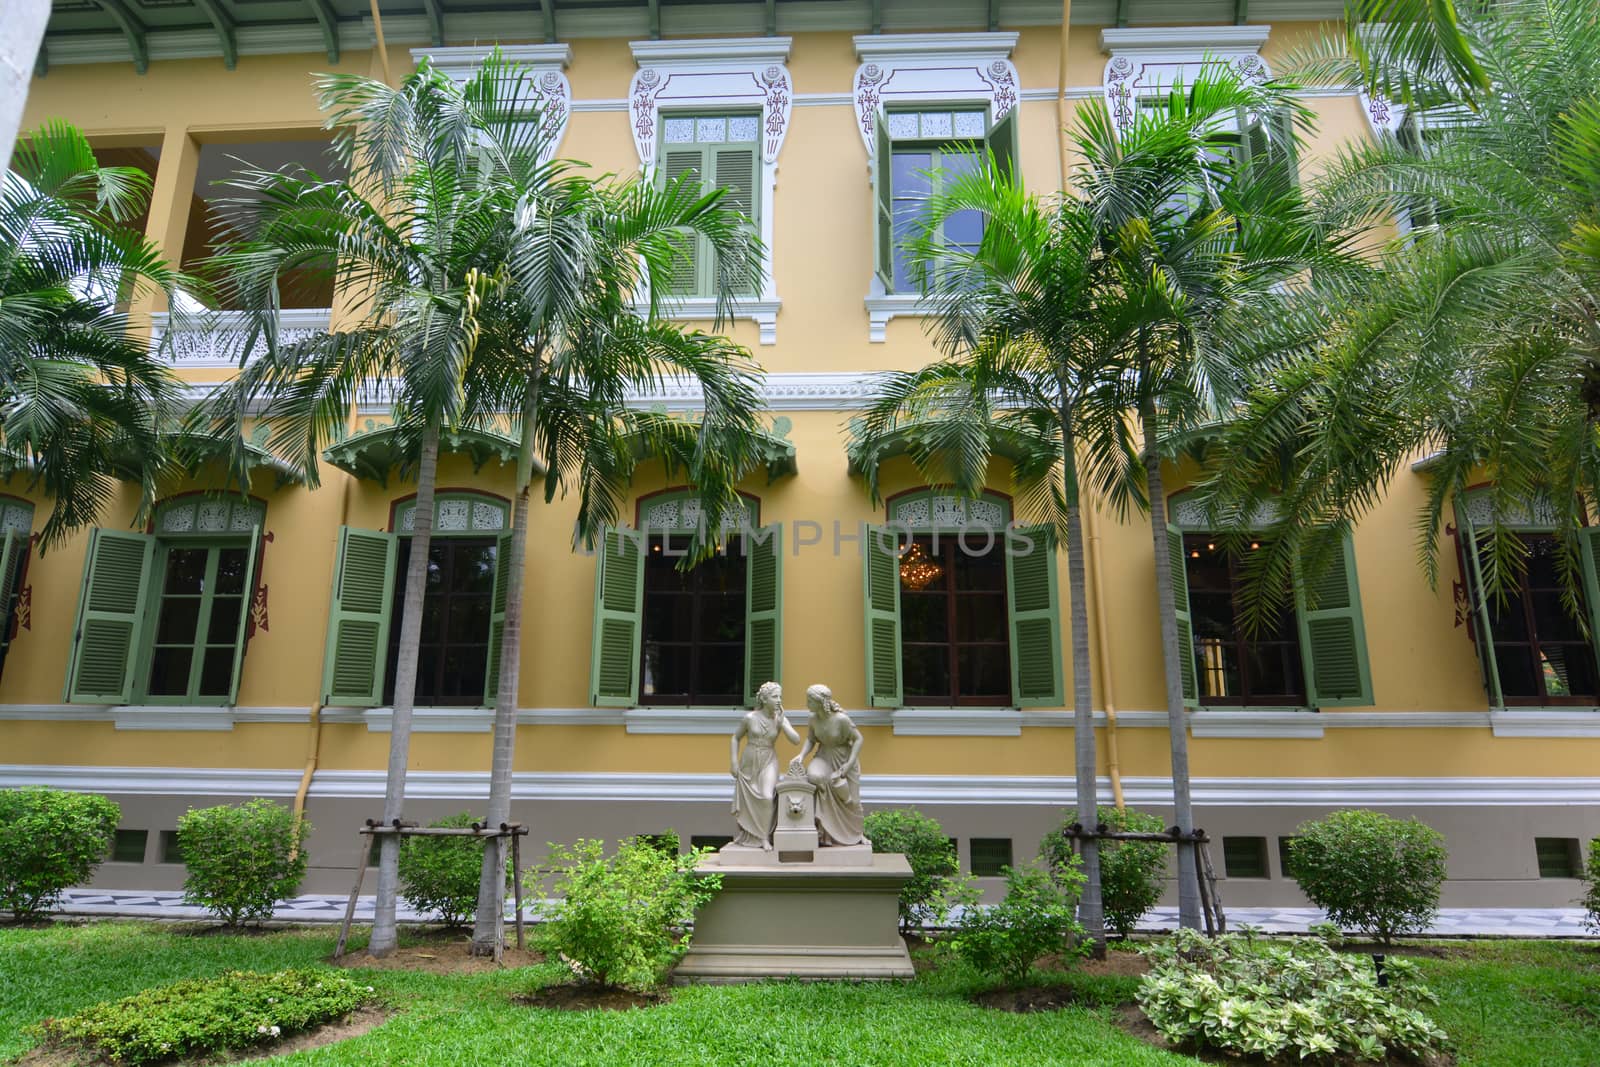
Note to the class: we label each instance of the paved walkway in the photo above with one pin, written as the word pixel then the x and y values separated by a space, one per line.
pixel 315 907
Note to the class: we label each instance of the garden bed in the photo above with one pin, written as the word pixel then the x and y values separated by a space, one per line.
pixel 358 1022
pixel 1135 1023
pixel 567 997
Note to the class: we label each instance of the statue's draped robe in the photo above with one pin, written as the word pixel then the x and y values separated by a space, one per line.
pixel 839 814
pixel 755 788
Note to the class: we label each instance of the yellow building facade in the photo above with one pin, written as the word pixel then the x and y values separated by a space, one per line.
pixel 229 684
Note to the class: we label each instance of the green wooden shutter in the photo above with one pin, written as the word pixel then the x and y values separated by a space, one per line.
pixel 1035 619
pixel 251 575
pixel 1589 540
pixel 1478 603
pixel 618 619
pixel 1002 142
pixel 1333 638
pixel 677 162
pixel 763 626
pixel 497 617
pixel 1180 602
pixel 358 620
pixel 111 610
pixel 735 168
pixel 883 207
pixel 11 551
pixel 881 595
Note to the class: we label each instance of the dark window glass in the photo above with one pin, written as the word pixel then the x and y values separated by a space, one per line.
pixel 8 610
pixel 1263 668
pixel 692 647
pixel 171 852
pixel 989 856
pixel 1283 857
pixel 1540 649
pixel 1244 857
pixel 458 598
pixel 128 846
pixel 955 634
pixel 1559 857
pixel 197 621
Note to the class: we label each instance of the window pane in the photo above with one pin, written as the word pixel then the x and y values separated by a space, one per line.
pixel 1559 857
pixel 978 564
pixel 666 669
pixel 744 128
pixel 1506 619
pixel 989 855
pixel 216 672
pixel 667 616
pixel 1551 621
pixel 1218 667
pixel 963 230
pixel 186 570
pixel 1272 673
pixel 679 131
pixel 981 617
pixel 985 671
pixel 721 674
pixel 927 670
pixel 230 570
pixel 722 617
pixel 908 174
pixel 1568 670
pixel 958 162
pixel 224 626
pixel 464 668
pixel 1244 857
pixel 1515 665
pixel 936 124
pixel 472 569
pixel 169 672
pixel 924 616
pixel 179 616
pixel 902 124
pixel 129 846
pixel 1544 562
pixel 711 130
pixel 661 568
pixel 969 123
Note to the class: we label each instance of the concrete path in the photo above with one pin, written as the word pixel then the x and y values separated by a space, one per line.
pixel 312 908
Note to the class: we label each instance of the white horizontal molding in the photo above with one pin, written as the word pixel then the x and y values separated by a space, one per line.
pixel 713 51
pixel 1293 723
pixel 762 312
pixel 933 47
pixel 1184 40
pixel 721 721
pixel 153 716
pixel 1537 722
pixel 881 307
pixel 958 722
pixel 922 790
pixel 470 720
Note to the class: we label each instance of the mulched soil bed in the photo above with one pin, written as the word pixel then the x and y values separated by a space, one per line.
pixel 443 952
pixel 358 1022
pixel 1431 952
pixel 1134 1022
pixel 586 998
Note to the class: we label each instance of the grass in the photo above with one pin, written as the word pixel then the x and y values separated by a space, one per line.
pixel 1505 1004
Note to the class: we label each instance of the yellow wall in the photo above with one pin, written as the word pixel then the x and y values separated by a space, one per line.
pixel 1420 660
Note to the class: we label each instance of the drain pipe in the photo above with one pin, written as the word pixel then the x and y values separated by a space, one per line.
pixel 314 737
pixel 383 48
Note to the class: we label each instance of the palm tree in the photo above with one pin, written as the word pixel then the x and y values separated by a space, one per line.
pixel 1473 338
pixel 1019 319
pixel 568 347
pixel 83 402
pixel 1203 220
pixel 415 237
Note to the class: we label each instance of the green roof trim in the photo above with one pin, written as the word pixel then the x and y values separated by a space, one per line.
pixel 373 455
pixel 773 452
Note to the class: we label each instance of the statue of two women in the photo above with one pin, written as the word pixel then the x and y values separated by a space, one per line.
pixel 833 745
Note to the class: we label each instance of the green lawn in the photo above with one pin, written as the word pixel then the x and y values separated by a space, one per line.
pixel 1505 1004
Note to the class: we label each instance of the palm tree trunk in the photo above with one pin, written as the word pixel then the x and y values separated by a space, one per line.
pixel 1177 718
pixel 489 929
pixel 385 937
pixel 1091 910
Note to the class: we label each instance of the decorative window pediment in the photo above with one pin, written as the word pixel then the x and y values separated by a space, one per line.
pixel 916 69
pixel 206 514
pixel 456 513
pixel 932 510
pixel 719 77
pixel 548 63
pixel 1148 61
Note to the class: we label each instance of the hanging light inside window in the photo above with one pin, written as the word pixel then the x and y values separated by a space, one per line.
pixel 917 569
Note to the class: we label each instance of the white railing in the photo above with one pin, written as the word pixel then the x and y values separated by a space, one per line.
pixel 216 339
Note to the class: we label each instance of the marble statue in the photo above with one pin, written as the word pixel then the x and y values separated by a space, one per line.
pixel 835 772
pixel 755 770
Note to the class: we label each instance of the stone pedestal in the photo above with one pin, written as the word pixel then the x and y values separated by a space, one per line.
pixel 795 837
pixel 803 920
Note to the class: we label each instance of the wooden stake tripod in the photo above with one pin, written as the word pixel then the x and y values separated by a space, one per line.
pixel 1210 901
pixel 514 830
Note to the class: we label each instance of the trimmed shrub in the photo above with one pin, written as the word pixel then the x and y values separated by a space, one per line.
pixel 1370 872
pixel 932 857
pixel 1296 999
pixel 242 859
pixel 200 1016
pixel 440 875
pixel 50 840
pixel 621 921
pixel 1591 880
pixel 1132 873
pixel 1036 918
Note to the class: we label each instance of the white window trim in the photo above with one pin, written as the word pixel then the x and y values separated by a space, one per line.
pixel 925 69
pixel 549 64
pixel 719 74
pixel 1146 61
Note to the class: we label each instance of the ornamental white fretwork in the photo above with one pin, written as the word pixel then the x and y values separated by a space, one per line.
pixel 1145 62
pixel 914 69
pixel 219 339
pixel 718 75
pixel 546 63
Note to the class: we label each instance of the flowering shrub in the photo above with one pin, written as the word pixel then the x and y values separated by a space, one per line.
pixel 200 1016
pixel 1299 1000
pixel 50 839
pixel 621 921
